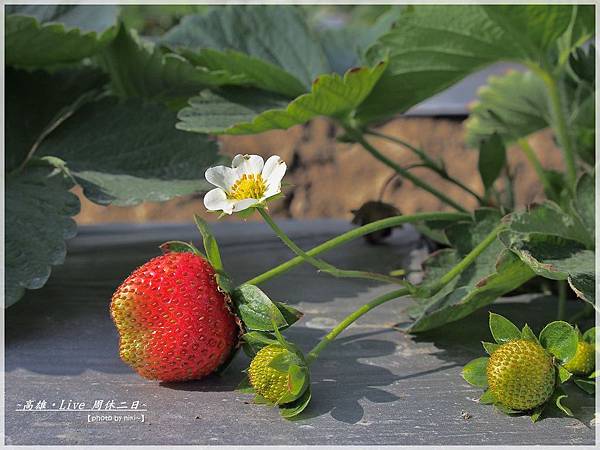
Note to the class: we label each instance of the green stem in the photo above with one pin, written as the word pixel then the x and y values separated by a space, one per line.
pixel 356 233
pixel 560 126
pixel 329 337
pixel 562 300
pixel 319 263
pixel 431 164
pixel 403 172
pixel 444 280
pixel 535 162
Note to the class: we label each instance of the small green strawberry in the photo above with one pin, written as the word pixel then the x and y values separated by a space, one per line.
pixel 521 374
pixel 269 373
pixel 584 360
pixel 524 371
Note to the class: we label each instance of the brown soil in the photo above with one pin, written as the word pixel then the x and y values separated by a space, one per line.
pixel 329 179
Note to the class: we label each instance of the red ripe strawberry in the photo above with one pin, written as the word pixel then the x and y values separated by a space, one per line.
pixel 174 322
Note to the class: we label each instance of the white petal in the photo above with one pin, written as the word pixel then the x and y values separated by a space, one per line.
pixel 216 200
pixel 271 191
pixel 240 205
pixel 270 164
pixel 248 164
pixel 273 180
pixel 221 176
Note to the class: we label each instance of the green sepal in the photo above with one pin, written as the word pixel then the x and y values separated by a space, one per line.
pixel 290 410
pixel 503 329
pixel 563 374
pixel 245 387
pixel 224 282
pixel 210 244
pixel 487 398
pixel 537 413
pixel 490 347
pixel 256 309
pixel 556 400
pixel 475 374
pixel 527 333
pixel 290 314
pixel 586 385
pixel 180 247
pixel 560 339
pixel 284 361
pixel 255 340
pixel 590 336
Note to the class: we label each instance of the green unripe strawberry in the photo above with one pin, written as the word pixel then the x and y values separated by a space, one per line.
pixel 521 374
pixel 583 362
pixel 272 381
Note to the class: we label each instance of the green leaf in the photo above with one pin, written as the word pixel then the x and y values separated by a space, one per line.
pixel 240 112
pixel 554 245
pixel 487 398
pixel 494 273
pixel 503 329
pixel 290 314
pixel 256 309
pixel 271 45
pixel 584 203
pixel 512 105
pixel 138 68
pixel 548 219
pixel 588 386
pixel 527 333
pixel 492 159
pixel 290 410
pixel 430 48
pixel 590 336
pixel 46 35
pixel 532 27
pixel 563 374
pixel 123 153
pixel 179 247
pixel 346 46
pixel 211 247
pixel 245 387
pixel 37 101
pixel 38 208
pixel 490 347
pixel 560 339
pixel 475 374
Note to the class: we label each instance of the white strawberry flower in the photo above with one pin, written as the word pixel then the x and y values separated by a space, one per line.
pixel 249 181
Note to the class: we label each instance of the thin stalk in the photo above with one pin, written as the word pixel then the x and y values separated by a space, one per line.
pixel 406 174
pixel 444 280
pixel 535 162
pixel 353 234
pixel 431 164
pixel 319 263
pixel 351 318
pixel 560 125
pixel 562 300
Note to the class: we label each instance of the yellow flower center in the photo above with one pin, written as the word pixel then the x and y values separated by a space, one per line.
pixel 248 186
